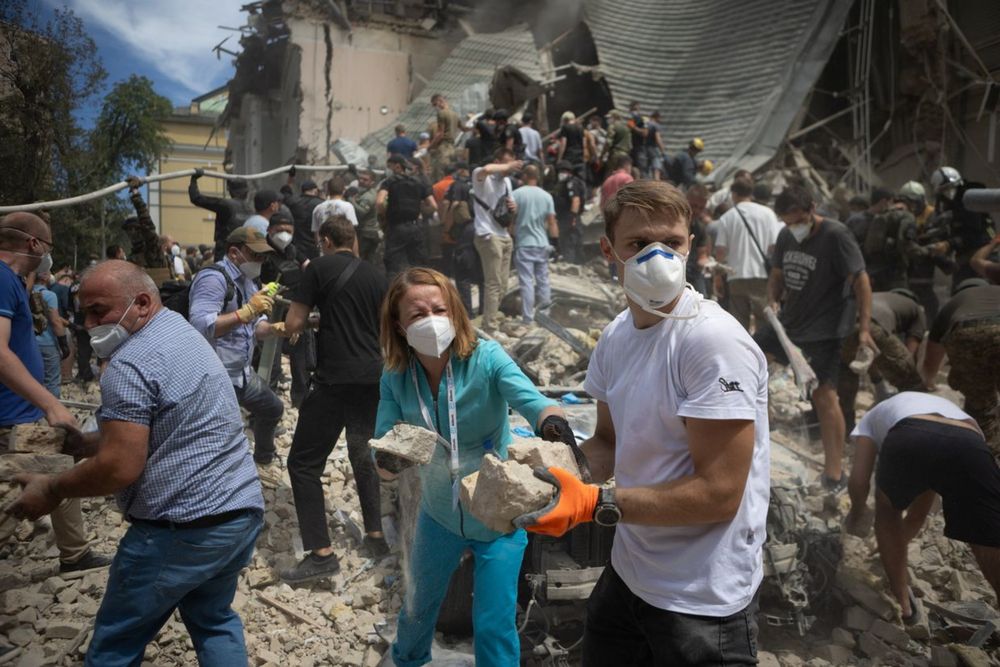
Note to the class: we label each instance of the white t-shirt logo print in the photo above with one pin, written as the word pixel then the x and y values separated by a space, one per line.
pixel 728 386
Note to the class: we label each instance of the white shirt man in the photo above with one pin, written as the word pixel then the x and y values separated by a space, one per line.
pixel 332 207
pixel 682 425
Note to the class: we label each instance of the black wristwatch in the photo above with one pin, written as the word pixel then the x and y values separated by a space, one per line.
pixel 607 513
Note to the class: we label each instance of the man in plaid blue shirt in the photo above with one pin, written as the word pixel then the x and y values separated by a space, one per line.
pixel 171 448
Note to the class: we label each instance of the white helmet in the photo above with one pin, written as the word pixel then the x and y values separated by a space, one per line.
pixel 944 178
pixel 912 191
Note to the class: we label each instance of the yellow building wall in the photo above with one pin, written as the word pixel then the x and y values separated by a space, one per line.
pixel 178 217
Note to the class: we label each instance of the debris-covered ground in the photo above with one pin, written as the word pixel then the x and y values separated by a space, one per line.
pixel 824 600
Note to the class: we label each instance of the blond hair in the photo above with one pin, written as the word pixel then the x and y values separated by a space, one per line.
pixel 653 197
pixel 395 349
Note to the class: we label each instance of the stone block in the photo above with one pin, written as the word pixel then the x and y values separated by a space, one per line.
pixel 971 656
pixel 890 632
pixel 409 442
pixel 872 646
pixel 860 587
pixel 534 452
pixel 858 618
pixel 941 656
pixel 63 630
pixel 842 637
pixel 835 654
pixel 37 437
pixel 503 491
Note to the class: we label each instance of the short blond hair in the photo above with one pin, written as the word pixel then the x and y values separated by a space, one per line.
pixel 654 197
pixel 395 349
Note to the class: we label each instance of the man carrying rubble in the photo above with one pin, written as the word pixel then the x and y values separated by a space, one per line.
pixel 226 307
pixel 816 267
pixel 682 426
pixel 25 247
pixel 171 447
pixel 967 330
pixel 919 446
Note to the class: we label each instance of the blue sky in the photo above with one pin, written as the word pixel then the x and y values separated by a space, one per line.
pixel 168 41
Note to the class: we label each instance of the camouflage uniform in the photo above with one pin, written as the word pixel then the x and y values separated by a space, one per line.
pixel 370 235
pixel 974 352
pixel 142 235
pixel 894 363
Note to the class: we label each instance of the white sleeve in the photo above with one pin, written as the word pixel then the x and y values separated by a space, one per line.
pixel 317 216
pixel 865 428
pixel 721 370
pixel 351 213
pixel 722 234
pixel 595 383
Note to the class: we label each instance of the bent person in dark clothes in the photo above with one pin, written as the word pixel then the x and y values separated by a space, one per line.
pixel 919 445
pixel 344 393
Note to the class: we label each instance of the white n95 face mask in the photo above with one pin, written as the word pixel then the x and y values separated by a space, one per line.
pixel 281 240
pixel 654 277
pixel 431 335
pixel 800 231
pixel 106 338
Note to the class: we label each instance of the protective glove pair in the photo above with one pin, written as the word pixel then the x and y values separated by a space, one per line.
pixel 259 304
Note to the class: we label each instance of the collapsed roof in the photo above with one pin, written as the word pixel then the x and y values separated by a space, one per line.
pixel 734 74
pixel 464 79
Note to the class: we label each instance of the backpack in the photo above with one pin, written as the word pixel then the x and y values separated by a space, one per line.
pixel 176 294
pixel 882 238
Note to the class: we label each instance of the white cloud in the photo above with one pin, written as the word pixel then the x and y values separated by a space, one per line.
pixel 174 37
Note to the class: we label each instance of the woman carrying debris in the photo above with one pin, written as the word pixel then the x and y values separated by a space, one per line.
pixel 439 376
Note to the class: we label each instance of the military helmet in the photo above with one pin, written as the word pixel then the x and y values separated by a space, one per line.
pixel 913 191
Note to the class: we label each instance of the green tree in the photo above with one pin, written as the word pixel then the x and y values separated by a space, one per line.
pixel 129 134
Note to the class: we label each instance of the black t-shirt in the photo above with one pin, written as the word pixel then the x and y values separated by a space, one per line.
pixel 819 298
pixel 282 266
pixel 477 156
pixel 972 303
pixel 573 135
pixel 347 346
pixel 301 208
pixel 487 138
pixel 563 199
pixel 405 195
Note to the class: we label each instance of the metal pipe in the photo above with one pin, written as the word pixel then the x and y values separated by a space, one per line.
pixel 154 178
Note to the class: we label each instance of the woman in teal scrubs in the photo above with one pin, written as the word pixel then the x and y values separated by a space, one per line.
pixel 438 374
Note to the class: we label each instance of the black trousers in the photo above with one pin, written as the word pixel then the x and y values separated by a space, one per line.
pixel 265 410
pixel 622 629
pixel 302 359
pixel 325 412
pixel 83 355
pixel 405 247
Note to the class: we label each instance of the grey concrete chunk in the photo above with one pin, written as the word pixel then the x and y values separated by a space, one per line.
pixel 502 491
pixel 535 452
pixel 409 442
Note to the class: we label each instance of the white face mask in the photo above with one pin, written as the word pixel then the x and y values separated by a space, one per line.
pixel 564 176
pixel 431 335
pixel 281 240
pixel 800 231
pixel 250 269
pixel 106 338
pixel 654 277
pixel 44 265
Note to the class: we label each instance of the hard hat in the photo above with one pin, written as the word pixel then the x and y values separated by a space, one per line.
pixel 912 190
pixel 706 167
pixel 945 177
pixel 698 144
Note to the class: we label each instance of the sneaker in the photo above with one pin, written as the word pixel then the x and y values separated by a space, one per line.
pixel 311 567
pixel 834 485
pixel 90 561
pixel 377 547
pixel 269 474
pixel 915 617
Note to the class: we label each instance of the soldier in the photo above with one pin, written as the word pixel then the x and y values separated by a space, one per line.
pixel 569 197
pixel 968 231
pixel 968 330
pixel 141 231
pixel 369 232
pixel 925 252
pixel 619 140
pixel 446 130
pixel 898 327
pixel 887 237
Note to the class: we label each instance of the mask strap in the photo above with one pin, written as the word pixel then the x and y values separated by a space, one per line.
pixel 671 316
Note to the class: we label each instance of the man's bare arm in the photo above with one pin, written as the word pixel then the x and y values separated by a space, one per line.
pixel 775 288
pixel 722 451
pixel 119 460
pixel 296 318
pixel 600 448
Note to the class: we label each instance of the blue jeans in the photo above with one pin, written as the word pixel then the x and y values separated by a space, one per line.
pixel 52 361
pixel 159 569
pixel 532 266
pixel 436 554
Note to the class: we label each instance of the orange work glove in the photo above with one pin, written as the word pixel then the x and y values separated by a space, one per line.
pixel 572 505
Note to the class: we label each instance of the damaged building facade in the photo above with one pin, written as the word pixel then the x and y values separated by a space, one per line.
pixel 807 88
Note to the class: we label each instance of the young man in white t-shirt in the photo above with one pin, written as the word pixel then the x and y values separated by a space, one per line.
pixel 919 446
pixel 334 205
pixel 682 426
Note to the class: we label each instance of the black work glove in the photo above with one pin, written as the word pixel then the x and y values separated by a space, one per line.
pixel 291 172
pixel 556 429
pixel 63 347
pixel 198 173
pixel 391 462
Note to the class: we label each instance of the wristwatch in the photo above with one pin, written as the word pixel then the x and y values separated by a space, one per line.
pixel 607 513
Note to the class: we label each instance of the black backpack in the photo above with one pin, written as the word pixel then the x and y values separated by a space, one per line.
pixel 176 294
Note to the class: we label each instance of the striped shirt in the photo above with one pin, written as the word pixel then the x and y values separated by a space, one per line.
pixel 168 378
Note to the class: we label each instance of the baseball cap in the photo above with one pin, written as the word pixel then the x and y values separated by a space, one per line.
pixel 249 237
pixel 309 185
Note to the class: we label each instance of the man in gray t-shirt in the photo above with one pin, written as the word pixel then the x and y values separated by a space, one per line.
pixel 817 283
